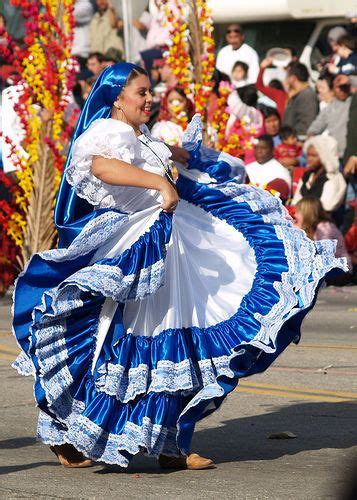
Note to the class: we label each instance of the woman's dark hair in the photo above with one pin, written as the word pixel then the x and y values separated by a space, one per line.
pixel 267 112
pixel 135 72
pixel 276 84
pixel 217 78
pixel 248 95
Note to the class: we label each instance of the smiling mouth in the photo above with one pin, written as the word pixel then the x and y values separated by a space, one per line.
pixel 146 110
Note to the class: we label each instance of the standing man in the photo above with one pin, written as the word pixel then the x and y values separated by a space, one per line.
pixel 237 50
pixel 104 27
pixel 303 105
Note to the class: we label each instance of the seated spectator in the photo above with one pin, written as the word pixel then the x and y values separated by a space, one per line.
pixel 95 63
pixel 239 74
pixel 237 50
pixel 275 91
pixel 288 152
pixel 346 49
pixel 322 179
pixel 302 106
pixel 272 124
pixel 311 217
pixel 334 117
pixel 324 90
pixel 175 112
pixel 103 29
pixel 266 168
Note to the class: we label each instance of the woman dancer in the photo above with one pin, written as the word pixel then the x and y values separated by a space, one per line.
pixel 151 309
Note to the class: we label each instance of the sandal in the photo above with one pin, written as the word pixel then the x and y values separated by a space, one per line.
pixel 193 461
pixel 70 457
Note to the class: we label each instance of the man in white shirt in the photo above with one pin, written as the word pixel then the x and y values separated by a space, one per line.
pixel 237 50
pixel 266 168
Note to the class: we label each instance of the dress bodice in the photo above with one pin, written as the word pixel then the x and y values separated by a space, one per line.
pixel 114 139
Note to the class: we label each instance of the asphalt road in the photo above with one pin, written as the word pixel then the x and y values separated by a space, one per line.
pixel 310 391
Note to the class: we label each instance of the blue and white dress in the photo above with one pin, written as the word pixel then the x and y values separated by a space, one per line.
pixel 147 320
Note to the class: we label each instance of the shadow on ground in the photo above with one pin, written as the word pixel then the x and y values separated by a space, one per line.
pixel 317 426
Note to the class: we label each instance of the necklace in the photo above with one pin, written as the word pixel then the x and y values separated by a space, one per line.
pixel 168 173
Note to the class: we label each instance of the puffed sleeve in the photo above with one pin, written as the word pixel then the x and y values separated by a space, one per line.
pixel 108 138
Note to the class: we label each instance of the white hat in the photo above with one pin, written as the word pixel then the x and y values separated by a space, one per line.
pixel 336 33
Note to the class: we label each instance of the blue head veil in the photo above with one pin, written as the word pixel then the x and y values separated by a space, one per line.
pixel 72 212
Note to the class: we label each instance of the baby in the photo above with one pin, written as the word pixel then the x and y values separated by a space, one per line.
pixel 288 152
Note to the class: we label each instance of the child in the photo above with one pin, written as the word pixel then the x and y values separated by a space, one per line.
pixel 346 49
pixel 288 152
pixel 239 74
pixel 175 112
pixel 311 217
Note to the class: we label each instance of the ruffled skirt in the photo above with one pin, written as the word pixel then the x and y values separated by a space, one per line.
pixel 144 324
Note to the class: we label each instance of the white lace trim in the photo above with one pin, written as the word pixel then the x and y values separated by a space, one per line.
pixel 98 445
pixel 111 282
pixel 193 135
pixel 168 376
pixel 93 235
pixel 101 139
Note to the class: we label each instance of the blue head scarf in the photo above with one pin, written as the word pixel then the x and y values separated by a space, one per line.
pixel 72 212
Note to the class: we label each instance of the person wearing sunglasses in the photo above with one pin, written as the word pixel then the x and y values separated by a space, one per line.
pixel 237 50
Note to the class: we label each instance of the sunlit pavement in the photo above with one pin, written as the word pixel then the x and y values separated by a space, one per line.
pixel 311 391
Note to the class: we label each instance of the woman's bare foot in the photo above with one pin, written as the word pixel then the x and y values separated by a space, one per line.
pixel 69 456
pixel 192 461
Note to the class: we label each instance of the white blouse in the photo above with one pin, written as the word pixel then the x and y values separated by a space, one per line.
pixel 114 139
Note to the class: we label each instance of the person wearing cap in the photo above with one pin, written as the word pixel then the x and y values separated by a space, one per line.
pixel 237 50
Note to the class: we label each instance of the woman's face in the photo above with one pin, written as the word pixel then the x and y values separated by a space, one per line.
pixel 176 103
pixel 312 159
pixel 135 101
pixel 272 125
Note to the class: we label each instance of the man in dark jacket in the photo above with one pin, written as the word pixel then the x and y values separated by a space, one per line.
pixel 303 106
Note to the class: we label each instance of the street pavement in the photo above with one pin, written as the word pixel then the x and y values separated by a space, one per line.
pixel 311 391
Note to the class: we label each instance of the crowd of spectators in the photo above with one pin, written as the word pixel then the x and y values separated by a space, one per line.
pixel 300 132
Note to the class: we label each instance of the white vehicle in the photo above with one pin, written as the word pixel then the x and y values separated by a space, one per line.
pixel 299 24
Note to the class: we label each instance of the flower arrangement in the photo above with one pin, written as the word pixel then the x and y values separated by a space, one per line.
pixel 191 49
pixel 46 76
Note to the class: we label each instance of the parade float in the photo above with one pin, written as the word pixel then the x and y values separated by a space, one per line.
pixel 45 76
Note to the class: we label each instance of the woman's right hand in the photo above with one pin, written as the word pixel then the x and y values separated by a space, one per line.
pixel 170 197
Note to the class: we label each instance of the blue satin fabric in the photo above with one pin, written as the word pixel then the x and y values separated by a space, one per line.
pixel 72 212
pixel 169 410
pixel 218 170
